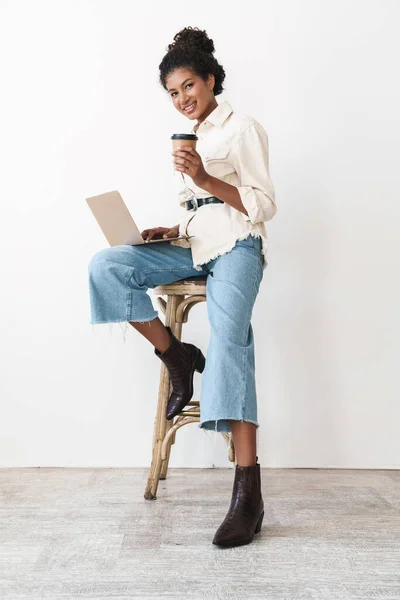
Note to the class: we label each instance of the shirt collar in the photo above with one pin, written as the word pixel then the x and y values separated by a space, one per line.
pixel 218 116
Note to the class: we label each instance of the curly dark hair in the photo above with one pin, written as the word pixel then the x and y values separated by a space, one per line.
pixel 193 49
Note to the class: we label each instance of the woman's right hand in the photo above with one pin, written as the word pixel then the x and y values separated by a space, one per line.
pixel 160 232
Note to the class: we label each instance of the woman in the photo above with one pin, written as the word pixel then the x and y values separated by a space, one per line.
pixel 227 176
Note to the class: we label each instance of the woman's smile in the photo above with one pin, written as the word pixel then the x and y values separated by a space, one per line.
pixel 190 108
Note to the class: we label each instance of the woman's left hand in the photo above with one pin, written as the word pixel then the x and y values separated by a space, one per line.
pixel 188 161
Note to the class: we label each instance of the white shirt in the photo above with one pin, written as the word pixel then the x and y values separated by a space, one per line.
pixel 233 148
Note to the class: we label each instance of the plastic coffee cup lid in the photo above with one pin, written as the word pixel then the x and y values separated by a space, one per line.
pixel 184 136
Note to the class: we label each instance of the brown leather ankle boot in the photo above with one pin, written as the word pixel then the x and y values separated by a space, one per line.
pixel 181 360
pixel 246 511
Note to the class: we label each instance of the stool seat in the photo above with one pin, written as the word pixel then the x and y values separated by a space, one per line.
pixel 186 294
pixel 191 285
pixel 182 296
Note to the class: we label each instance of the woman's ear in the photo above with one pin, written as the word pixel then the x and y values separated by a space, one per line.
pixel 211 82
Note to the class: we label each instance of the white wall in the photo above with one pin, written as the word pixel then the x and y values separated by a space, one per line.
pixel 82 112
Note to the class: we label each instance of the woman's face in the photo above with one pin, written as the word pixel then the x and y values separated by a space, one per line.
pixel 190 94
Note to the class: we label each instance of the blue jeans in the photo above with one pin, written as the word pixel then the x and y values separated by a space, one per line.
pixel 119 278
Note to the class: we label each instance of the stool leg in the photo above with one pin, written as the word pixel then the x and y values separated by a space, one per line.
pixel 160 424
pixel 164 463
pixel 176 329
pixel 231 449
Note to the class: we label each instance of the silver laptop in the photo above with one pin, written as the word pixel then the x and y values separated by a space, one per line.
pixel 115 220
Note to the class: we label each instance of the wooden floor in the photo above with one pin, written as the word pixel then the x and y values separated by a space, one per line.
pixel 89 533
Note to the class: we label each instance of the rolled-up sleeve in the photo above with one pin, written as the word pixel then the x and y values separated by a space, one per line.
pixel 251 162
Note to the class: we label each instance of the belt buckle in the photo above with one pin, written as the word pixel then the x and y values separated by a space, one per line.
pixel 194 203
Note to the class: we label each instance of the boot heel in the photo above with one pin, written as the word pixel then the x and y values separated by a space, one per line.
pixel 260 520
pixel 200 362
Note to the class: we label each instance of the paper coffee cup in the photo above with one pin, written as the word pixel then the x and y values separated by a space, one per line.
pixel 184 139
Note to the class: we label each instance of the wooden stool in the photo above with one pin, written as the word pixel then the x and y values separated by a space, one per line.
pixel 181 297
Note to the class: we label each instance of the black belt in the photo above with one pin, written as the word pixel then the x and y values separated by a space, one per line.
pixel 195 203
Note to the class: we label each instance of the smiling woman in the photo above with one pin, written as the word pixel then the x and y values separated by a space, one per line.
pixel 233 196
pixel 230 162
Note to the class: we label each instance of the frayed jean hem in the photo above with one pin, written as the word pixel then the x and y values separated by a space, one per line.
pixel 222 424
pixel 123 323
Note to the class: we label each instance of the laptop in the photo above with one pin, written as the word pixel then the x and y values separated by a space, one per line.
pixel 116 222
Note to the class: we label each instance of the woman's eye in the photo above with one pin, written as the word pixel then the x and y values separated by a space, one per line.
pixel 173 93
